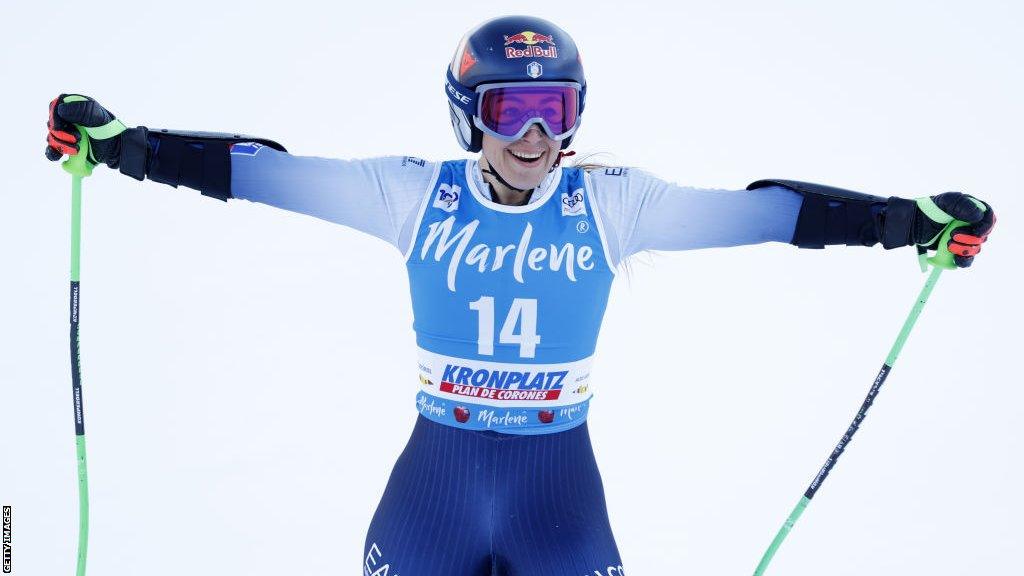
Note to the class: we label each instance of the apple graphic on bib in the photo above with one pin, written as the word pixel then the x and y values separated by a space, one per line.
pixel 462 414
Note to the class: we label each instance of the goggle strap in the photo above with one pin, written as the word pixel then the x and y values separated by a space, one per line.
pixel 460 95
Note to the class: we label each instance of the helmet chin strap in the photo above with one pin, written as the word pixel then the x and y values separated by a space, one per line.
pixel 494 197
pixel 493 172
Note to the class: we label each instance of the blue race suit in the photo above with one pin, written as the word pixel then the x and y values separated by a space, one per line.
pixel 499 477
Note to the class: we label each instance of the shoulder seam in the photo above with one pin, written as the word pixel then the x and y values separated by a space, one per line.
pixel 424 200
pixel 599 222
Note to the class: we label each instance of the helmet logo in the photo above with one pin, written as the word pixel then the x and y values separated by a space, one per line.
pixel 534 70
pixel 531 41
pixel 528 38
pixel 467 62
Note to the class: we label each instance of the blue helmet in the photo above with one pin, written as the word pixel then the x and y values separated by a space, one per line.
pixel 505 51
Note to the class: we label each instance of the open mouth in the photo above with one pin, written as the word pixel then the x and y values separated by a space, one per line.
pixel 527 158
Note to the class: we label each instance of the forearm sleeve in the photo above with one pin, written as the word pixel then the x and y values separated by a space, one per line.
pixel 197 160
pixel 831 215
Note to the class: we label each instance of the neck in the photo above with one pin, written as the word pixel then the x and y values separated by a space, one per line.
pixel 500 191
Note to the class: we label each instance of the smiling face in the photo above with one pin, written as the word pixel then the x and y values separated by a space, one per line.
pixel 525 162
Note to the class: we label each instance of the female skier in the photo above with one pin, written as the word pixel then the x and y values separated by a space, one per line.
pixel 510 258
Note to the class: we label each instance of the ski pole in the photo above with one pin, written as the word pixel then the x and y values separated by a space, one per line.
pixel 79 168
pixel 942 260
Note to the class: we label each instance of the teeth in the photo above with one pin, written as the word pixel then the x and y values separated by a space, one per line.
pixel 527 155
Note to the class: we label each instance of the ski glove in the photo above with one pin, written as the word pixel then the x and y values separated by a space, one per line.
pixel 932 215
pixel 104 130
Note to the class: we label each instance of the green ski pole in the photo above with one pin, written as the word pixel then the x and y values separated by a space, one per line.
pixel 943 260
pixel 79 168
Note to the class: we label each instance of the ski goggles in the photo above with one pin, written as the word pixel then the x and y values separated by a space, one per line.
pixel 507 110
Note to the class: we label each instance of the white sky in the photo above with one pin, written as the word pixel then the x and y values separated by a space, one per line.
pixel 249 375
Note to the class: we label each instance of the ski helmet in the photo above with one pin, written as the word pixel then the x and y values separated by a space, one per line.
pixel 510 59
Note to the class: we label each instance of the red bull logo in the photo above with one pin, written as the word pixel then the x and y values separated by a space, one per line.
pixel 529 38
pixel 532 41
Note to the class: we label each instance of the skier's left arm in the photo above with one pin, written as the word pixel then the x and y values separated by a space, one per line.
pixel 647 213
pixel 830 216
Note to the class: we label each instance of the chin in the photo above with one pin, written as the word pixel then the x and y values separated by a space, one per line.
pixel 525 175
pixel 528 182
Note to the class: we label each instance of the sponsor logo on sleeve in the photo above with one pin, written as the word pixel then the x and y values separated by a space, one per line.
pixel 447 197
pixel 413 160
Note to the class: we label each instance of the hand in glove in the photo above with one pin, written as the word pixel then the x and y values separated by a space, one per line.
pixel 104 130
pixel 934 213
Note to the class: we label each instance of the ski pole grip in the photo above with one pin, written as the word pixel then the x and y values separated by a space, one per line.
pixel 943 258
pixel 78 165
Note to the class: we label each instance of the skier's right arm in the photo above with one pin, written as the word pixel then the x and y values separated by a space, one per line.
pixel 373 196
pixel 199 160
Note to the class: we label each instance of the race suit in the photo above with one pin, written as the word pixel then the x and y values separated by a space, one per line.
pixel 499 477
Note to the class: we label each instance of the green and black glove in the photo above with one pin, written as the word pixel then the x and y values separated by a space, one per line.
pixel 104 130
pixel 935 212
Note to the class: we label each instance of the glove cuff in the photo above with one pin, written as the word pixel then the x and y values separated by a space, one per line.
pixel 897 222
pixel 134 151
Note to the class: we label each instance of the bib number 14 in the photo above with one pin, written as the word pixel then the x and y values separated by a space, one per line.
pixel 522 312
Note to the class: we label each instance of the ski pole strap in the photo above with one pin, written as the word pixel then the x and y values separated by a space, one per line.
pixel 78 165
pixel 943 258
pixel 108 130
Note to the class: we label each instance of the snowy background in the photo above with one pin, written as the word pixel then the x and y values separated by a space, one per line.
pixel 249 373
